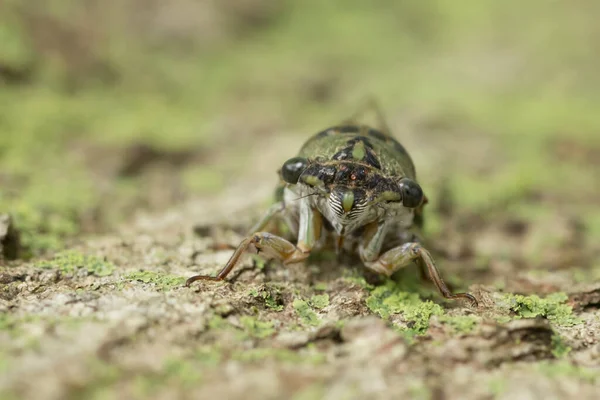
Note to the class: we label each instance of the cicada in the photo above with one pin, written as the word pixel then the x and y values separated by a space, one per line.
pixel 353 187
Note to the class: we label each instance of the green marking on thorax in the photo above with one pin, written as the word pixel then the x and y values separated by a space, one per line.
pixel 358 151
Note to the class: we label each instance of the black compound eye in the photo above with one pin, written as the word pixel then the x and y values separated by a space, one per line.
pixel 412 194
pixel 293 168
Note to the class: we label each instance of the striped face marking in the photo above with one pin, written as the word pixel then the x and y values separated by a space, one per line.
pixel 346 209
pixel 348 201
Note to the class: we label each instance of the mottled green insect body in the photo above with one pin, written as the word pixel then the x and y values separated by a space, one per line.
pixel 352 186
pixel 361 143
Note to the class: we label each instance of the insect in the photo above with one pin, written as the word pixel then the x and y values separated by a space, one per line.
pixel 354 187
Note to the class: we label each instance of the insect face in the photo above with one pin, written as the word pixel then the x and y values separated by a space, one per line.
pixel 351 194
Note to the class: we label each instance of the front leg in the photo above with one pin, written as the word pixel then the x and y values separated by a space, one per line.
pixel 401 256
pixel 274 246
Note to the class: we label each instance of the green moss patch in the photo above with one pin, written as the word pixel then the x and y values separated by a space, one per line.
pixel 268 295
pixel 306 314
pixel 460 323
pixel 552 307
pixel 319 301
pixel 355 278
pixel 162 281
pixel 560 348
pixel 255 328
pixel 70 262
pixel 388 299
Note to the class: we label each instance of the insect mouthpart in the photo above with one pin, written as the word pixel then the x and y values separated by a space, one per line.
pixel 346 208
pixel 346 202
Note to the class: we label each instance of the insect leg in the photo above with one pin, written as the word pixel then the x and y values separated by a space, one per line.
pixel 401 256
pixel 267 217
pixel 274 246
pixel 265 242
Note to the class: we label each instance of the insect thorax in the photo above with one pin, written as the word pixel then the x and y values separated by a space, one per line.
pixel 362 144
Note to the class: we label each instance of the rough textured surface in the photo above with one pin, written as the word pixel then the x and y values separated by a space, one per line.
pixel 139 139
pixel 118 322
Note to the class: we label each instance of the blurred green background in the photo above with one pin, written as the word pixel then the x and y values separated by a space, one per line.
pixel 108 107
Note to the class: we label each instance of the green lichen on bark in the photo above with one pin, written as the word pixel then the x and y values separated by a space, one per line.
pixel 70 262
pixel 162 281
pixel 388 300
pixel 552 307
pixel 305 312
